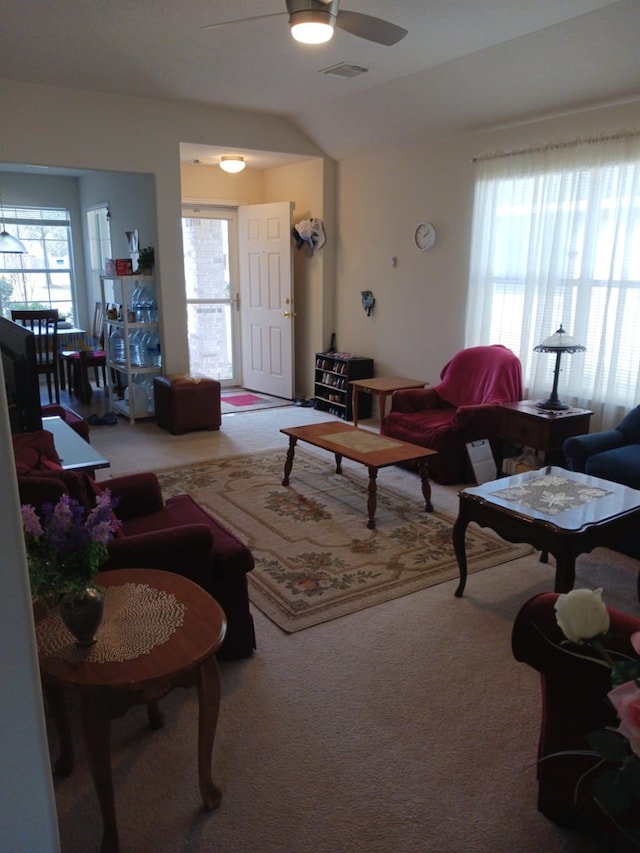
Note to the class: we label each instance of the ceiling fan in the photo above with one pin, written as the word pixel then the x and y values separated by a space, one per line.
pixel 313 22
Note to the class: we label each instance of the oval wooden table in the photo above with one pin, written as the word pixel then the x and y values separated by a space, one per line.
pixel 108 688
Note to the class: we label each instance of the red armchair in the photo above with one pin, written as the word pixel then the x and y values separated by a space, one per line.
pixel 176 535
pixel 574 704
pixel 463 407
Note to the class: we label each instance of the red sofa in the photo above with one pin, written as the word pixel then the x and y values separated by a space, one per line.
pixel 574 704
pixel 463 407
pixel 176 535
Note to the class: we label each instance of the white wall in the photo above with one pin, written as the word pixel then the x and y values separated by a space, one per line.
pixel 75 129
pixel 310 186
pixel 131 199
pixel 116 133
pixel 28 819
pixel 418 320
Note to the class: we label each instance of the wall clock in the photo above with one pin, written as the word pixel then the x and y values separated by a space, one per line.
pixel 425 236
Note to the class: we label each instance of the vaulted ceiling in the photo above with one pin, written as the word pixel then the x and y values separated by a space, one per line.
pixel 465 65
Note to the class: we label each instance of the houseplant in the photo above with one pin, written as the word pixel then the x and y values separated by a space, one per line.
pixel 65 549
pixel 146 260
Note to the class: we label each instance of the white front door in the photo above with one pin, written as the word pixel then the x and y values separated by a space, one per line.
pixel 266 298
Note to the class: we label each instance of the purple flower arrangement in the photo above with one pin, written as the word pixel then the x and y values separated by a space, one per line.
pixel 66 546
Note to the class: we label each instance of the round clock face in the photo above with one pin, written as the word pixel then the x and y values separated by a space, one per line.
pixel 425 236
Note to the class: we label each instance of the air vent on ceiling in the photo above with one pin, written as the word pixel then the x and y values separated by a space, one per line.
pixel 344 69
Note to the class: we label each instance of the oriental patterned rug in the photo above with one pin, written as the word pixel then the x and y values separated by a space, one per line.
pixel 316 559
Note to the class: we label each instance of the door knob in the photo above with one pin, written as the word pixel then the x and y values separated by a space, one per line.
pixel 288 314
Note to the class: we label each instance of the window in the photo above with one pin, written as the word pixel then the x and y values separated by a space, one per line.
pixel 556 239
pixel 42 278
pixel 99 237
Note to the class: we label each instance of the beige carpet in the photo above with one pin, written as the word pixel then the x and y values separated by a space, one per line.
pixel 316 559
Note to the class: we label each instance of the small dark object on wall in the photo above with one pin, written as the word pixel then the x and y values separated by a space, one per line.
pixel 368 301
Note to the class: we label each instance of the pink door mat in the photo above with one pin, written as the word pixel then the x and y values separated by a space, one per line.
pixel 242 399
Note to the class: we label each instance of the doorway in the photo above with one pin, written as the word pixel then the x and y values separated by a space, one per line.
pixel 209 237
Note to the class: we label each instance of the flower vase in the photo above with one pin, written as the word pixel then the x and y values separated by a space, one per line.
pixel 82 614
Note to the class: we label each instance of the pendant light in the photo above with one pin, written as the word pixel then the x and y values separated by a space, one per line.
pixel 8 243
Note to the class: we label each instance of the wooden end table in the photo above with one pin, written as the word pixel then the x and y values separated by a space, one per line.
pixel 525 424
pixel 108 688
pixel 381 386
pixel 558 511
pixel 368 448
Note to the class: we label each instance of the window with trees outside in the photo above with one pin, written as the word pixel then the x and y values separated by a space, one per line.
pixel 43 277
pixel 556 240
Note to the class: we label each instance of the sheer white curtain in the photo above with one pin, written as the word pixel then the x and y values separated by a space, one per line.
pixel 556 239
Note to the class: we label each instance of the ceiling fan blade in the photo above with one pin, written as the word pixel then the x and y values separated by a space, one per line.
pixel 242 20
pixel 370 28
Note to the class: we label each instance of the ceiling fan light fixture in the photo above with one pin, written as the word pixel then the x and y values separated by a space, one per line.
pixel 232 164
pixel 312 26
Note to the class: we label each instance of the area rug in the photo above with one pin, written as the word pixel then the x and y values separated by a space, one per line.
pixel 316 559
pixel 239 400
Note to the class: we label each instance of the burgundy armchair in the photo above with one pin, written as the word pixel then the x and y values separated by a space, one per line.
pixel 574 704
pixel 463 407
pixel 176 535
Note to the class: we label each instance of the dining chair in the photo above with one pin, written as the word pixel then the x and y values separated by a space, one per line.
pixel 44 325
pixel 90 354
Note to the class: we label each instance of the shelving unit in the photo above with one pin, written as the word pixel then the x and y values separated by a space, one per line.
pixel 333 372
pixel 132 343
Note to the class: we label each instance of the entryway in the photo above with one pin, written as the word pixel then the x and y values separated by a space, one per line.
pixel 239 293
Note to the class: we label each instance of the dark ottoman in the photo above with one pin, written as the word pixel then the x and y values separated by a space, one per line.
pixel 185 403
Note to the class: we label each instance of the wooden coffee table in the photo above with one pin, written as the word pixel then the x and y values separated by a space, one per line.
pixel 381 386
pixel 370 449
pixel 111 678
pixel 555 510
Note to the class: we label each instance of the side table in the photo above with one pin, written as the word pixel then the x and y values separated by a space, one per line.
pixel 188 629
pixel 561 512
pixel 382 386
pixel 525 424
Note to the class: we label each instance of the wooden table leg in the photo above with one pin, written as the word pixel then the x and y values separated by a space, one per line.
pixel 459 529
pixel 155 716
pixel 426 485
pixel 565 570
pixel 55 697
pixel 96 723
pixel 372 501
pixel 289 460
pixel 354 405
pixel 209 706
pixel 382 407
pixel 84 390
pixel 338 457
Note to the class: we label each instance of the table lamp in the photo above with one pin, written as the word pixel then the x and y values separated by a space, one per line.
pixel 559 342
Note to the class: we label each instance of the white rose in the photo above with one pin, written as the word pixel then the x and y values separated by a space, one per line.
pixel 582 614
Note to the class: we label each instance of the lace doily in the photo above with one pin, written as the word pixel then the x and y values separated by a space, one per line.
pixel 551 494
pixel 137 618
